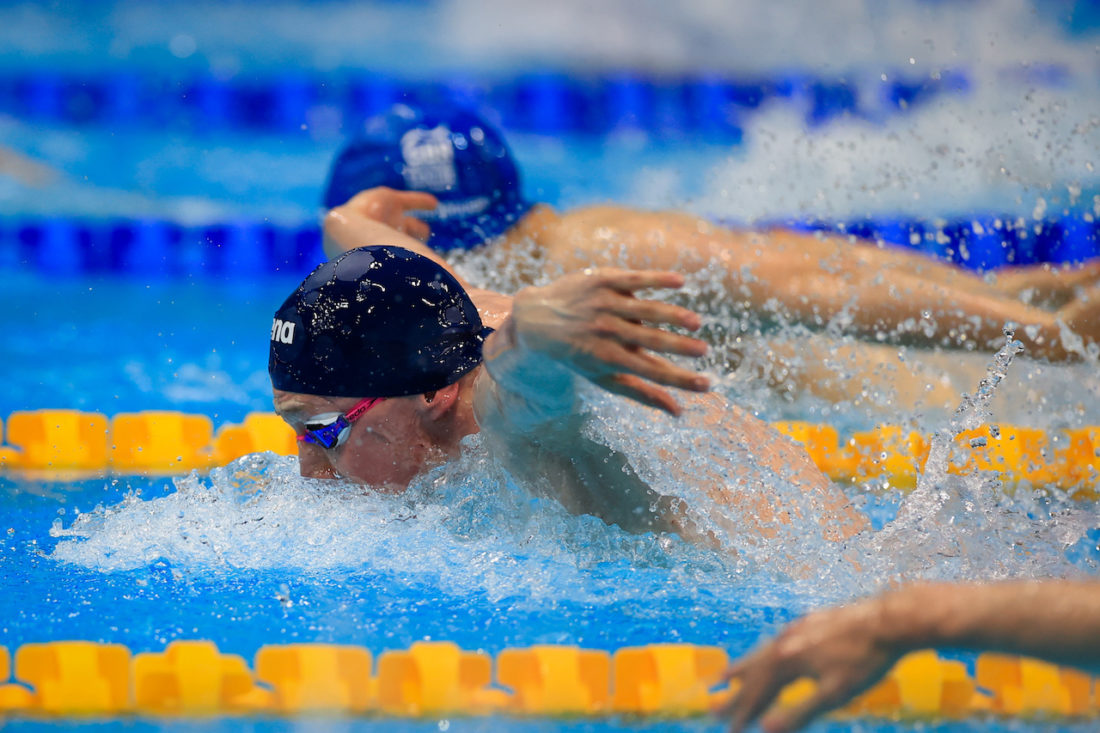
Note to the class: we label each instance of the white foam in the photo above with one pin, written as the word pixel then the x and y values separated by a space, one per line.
pixel 1026 154
pixel 467 527
pixel 954 526
pixel 463 528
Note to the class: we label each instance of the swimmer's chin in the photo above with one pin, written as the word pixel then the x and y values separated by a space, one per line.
pixel 390 489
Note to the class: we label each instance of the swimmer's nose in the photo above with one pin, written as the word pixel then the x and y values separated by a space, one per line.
pixel 312 463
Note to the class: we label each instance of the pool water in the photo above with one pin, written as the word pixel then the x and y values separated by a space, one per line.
pixel 114 345
pixel 251 554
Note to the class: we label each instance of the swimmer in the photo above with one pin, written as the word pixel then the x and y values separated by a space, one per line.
pixel 447 178
pixel 845 650
pixel 382 362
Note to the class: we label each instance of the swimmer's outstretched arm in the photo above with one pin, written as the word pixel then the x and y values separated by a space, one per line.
pixel 846 649
pixel 1047 285
pixel 589 325
pixel 873 292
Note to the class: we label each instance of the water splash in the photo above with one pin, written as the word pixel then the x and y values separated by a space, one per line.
pixel 967 527
pixel 929 497
pixel 469 527
pixel 463 528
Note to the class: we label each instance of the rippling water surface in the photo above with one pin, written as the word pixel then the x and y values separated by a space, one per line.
pixel 253 554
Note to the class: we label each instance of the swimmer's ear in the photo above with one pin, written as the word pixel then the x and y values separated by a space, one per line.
pixel 438 403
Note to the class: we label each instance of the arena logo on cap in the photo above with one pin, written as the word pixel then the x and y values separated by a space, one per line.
pixel 282 331
pixel 429 159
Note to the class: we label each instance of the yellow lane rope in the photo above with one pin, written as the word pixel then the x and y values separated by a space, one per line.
pixel 432 679
pixel 164 442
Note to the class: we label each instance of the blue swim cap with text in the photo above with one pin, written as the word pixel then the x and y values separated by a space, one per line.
pixel 447 151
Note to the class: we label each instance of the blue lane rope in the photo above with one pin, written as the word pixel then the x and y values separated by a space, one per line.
pixel 154 247
pixel 707 105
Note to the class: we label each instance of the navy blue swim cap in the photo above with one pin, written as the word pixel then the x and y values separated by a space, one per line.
pixel 447 151
pixel 375 322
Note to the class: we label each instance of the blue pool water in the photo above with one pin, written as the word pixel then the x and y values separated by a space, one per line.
pixel 252 554
pixel 118 346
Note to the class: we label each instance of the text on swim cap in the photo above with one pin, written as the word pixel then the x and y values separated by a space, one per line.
pixel 282 331
pixel 429 159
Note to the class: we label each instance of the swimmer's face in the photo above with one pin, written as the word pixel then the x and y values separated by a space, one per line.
pixel 385 448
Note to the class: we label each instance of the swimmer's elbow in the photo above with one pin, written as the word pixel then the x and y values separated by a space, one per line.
pixel 334 228
pixel 331 219
pixel 338 223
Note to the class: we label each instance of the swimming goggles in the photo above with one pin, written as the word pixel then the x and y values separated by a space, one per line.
pixel 331 429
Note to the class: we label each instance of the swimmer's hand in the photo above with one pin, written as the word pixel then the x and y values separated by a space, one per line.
pixel 392 207
pixel 379 216
pixel 843 650
pixel 591 323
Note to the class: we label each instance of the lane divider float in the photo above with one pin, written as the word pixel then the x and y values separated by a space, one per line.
pixel 258 248
pixel 546 102
pixel 73 443
pixel 431 679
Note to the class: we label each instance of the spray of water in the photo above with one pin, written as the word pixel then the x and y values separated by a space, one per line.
pixel 469 527
pixel 966 526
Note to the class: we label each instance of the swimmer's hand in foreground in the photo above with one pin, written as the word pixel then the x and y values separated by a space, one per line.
pixel 591 324
pixel 846 649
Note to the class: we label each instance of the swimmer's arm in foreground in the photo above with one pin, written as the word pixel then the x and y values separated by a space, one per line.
pixel 590 324
pixel 846 649
pixel 586 326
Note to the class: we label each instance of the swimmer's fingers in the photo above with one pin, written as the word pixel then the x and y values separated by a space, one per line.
pixel 391 198
pixel 648 337
pixel 628 281
pixel 418 200
pixel 652 311
pixel 649 367
pixel 841 650
pixel 415 228
pixel 391 207
pixel 414 201
pixel 622 303
pixel 639 390
pixel 760 685
pixel 762 674
pixel 787 719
